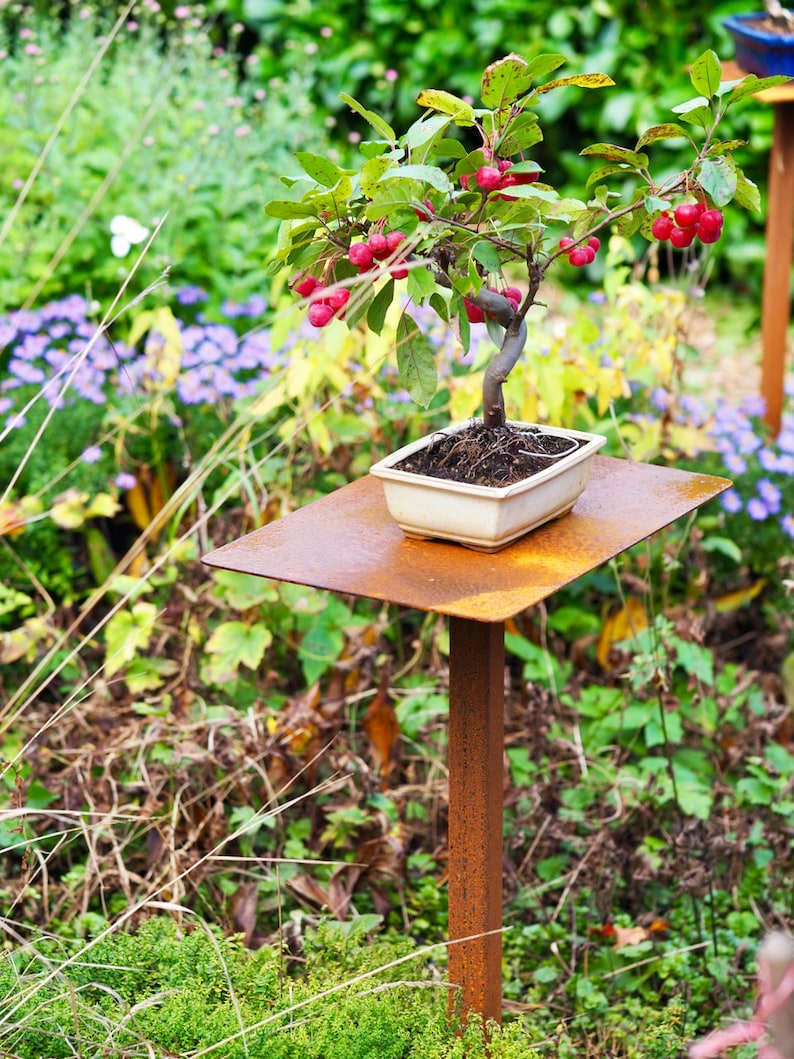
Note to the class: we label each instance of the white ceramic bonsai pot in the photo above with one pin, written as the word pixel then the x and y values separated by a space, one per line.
pixel 478 516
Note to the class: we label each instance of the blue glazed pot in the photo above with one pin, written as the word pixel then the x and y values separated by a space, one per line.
pixel 757 50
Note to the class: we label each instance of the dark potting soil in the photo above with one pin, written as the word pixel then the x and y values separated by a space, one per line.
pixel 496 458
pixel 767 24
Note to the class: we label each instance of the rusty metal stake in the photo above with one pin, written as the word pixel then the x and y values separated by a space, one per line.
pixel 476 785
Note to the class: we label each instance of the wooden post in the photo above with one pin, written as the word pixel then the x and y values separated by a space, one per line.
pixel 476 785
pixel 776 305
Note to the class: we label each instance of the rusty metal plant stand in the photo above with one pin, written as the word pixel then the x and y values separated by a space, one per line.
pixel 346 542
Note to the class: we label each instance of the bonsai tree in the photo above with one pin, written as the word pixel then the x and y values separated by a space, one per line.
pixel 459 211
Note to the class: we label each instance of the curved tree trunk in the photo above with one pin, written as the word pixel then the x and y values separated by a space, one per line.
pixel 493 403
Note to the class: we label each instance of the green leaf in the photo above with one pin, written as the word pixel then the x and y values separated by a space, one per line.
pixel 747 194
pixel 444 102
pixel 544 64
pixel 287 211
pixel 425 130
pixel 613 153
pixel 505 80
pixel 718 179
pixel 751 84
pixel 603 172
pixel 376 315
pixel 582 80
pixel 415 361
pixel 668 131
pixel 378 124
pixel 243 591
pixel 323 170
pixel 420 284
pixel 372 174
pixel 656 204
pixel 426 174
pixel 487 255
pixel 128 632
pixel 460 319
pixel 523 132
pixel 706 74
pixel 234 644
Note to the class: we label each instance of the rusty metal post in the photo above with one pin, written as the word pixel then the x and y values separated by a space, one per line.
pixel 476 785
pixel 776 304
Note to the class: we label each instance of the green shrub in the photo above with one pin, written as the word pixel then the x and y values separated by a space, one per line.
pixel 162 130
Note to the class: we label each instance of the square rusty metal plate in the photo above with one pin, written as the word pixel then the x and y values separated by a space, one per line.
pixel 347 542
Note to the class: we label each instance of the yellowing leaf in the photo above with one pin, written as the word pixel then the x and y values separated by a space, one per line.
pixel 234 644
pixel 127 633
pixel 69 509
pixel 619 626
pixel 102 506
pixel 731 601
pixel 163 346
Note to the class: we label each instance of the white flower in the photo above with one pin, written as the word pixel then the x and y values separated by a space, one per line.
pixel 125 233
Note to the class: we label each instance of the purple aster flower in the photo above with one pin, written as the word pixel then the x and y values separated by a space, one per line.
pixel 25 372
pixel 731 501
pixel 660 398
pixel 787 525
pixel 757 509
pixel 191 296
pixel 785 440
pixel 770 494
pixel 748 441
pixel 735 463
pixel 768 460
pixel 125 480
pixel 92 454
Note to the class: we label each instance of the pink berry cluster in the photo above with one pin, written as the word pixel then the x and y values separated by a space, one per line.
pixel 327 303
pixel 689 220
pixel 378 247
pixel 476 315
pixel 580 254
pixel 323 307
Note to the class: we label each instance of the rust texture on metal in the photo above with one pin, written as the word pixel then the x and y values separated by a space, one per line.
pixel 347 542
pixel 476 753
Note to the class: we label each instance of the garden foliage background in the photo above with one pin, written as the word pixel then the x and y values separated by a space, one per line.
pixel 255 757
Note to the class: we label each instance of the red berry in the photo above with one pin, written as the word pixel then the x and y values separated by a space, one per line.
pixel 709 235
pixel 360 255
pixel 566 241
pixel 393 239
pixel 711 221
pixel 513 294
pixel 682 237
pixel 320 314
pixel 399 273
pixel 305 286
pixel 661 227
pixel 426 214
pixel 595 243
pixel 503 164
pixel 338 299
pixel 581 255
pixel 464 180
pixel 379 245
pixel 488 177
pixel 525 178
pixel 508 180
pixel 473 312
pixel 686 215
